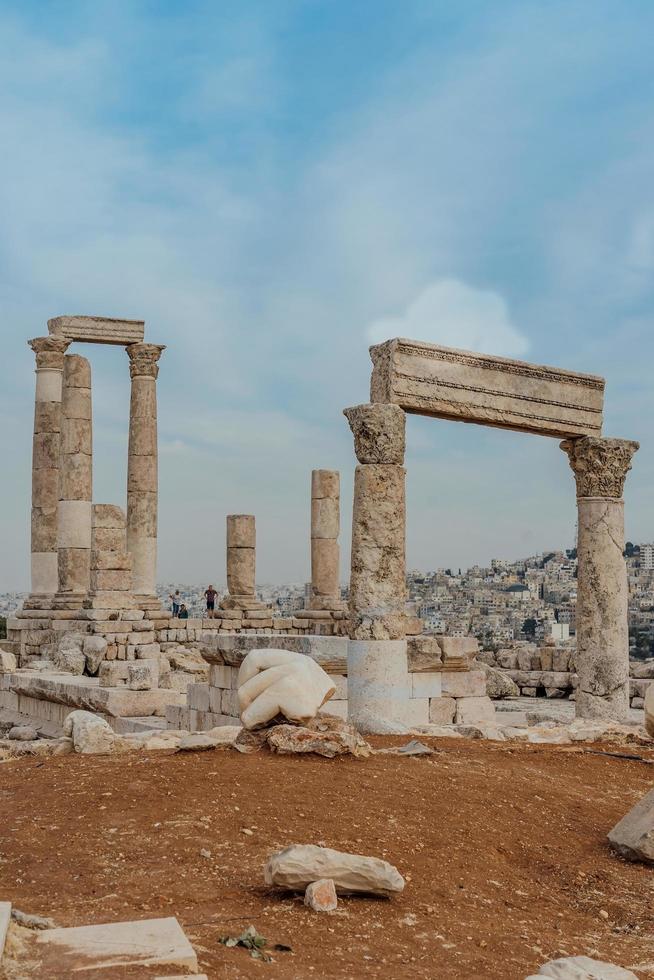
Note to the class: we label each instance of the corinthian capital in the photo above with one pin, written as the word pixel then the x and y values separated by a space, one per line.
pixel 143 359
pixel 378 431
pixel 600 465
pixel 49 352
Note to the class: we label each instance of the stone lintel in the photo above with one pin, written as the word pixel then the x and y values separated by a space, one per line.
pixel 427 379
pixel 97 329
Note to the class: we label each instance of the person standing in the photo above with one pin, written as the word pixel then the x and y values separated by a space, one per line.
pixel 210 596
pixel 176 600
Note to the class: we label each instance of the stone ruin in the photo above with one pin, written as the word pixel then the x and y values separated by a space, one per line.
pixel 94 567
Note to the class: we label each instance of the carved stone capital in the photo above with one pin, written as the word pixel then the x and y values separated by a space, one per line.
pixel 143 359
pixel 49 352
pixel 600 465
pixel 379 432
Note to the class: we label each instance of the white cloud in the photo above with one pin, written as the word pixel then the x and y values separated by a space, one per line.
pixel 450 312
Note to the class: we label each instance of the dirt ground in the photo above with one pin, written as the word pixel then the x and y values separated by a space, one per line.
pixel 503 849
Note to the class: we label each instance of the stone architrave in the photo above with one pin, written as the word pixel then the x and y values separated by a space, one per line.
pixel 378 679
pixel 75 484
pixel 325 528
pixel 427 379
pixel 46 455
pixel 142 471
pixel 97 329
pixel 600 467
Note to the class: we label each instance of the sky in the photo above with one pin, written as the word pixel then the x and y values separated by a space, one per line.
pixel 274 185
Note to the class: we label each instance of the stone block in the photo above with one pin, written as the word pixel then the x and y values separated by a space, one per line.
pixel 145 651
pixel 241 531
pixel 427 379
pixel 442 711
pixel 463 684
pixel 97 329
pixel 475 711
pixel 113 673
pixel 325 517
pixel 633 836
pixel 46 450
pixel 416 712
pixel 198 697
pixel 111 561
pixel 109 539
pixel 142 473
pixel 241 571
pixel 142 675
pixel 229 703
pixel 76 477
pixel 426 684
pixel 112 580
pixel 76 437
pixel 220 675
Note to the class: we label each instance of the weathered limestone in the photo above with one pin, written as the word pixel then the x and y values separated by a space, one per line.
pixel 279 682
pixel 298 865
pixel 633 836
pixel 600 467
pixel 427 379
pixel 241 563
pixel 325 527
pixel 142 485
pixel 97 329
pixel 75 485
pixel 111 565
pixel 378 680
pixel 46 453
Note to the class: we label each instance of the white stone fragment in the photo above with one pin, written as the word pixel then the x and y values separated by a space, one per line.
pixel 298 865
pixel 633 836
pixel 279 682
pixel 7 662
pixel 91 735
pixel 321 895
pixel 582 968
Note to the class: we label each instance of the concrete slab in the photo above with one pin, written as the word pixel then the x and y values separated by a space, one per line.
pixel 99 949
pixel 5 919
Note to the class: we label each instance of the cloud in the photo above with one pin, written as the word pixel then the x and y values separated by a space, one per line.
pixel 450 312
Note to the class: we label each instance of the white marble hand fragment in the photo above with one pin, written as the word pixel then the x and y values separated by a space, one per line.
pixel 278 682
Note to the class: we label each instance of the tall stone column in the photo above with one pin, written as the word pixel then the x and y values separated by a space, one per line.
pixel 378 679
pixel 142 473
pixel 46 452
pixel 75 484
pixel 241 563
pixel 325 527
pixel 600 467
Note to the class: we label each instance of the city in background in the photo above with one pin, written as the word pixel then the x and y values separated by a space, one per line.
pixel 530 599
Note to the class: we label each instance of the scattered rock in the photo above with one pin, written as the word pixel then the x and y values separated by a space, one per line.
pixel 197 742
pixel 94 649
pixel 633 836
pixel 298 865
pixel 142 675
pixel 321 895
pixel 498 685
pixel 292 739
pixel 204 853
pixel 68 654
pixel 7 662
pixel 414 747
pixel 273 682
pixel 91 735
pixel 22 733
pixel 31 921
pixel 582 968
pixel 190 661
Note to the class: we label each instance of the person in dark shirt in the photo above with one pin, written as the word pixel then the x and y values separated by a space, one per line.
pixel 183 612
pixel 210 596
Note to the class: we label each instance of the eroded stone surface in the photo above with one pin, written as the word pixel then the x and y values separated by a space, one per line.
pixel 379 433
pixel 91 735
pixel 633 836
pixel 298 865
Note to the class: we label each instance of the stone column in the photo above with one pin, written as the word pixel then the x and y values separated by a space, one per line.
pixel 378 679
pixel 241 563
pixel 325 527
pixel 75 484
pixel 600 467
pixel 46 452
pixel 142 479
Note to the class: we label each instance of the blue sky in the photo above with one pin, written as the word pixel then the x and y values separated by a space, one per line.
pixel 272 185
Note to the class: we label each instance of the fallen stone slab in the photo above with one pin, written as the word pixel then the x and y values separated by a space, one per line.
pixel 633 836
pixel 149 942
pixel 86 694
pixel 5 919
pixel 582 968
pixel 197 742
pixel 414 747
pixel 321 895
pixel 22 733
pixel 91 735
pixel 298 865
pixel 42 747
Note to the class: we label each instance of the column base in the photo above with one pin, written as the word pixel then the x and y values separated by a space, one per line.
pixel 36 601
pixel 378 686
pixel 244 602
pixel 611 707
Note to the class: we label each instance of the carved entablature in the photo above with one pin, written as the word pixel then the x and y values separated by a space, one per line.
pixel 49 352
pixel 379 433
pixel 600 465
pixel 143 359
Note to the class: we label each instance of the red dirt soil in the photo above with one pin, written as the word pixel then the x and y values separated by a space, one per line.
pixel 503 849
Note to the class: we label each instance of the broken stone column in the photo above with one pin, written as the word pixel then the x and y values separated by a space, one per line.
pixel 378 679
pixel 325 527
pixel 46 456
pixel 142 480
pixel 111 565
pixel 600 467
pixel 241 563
pixel 75 484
